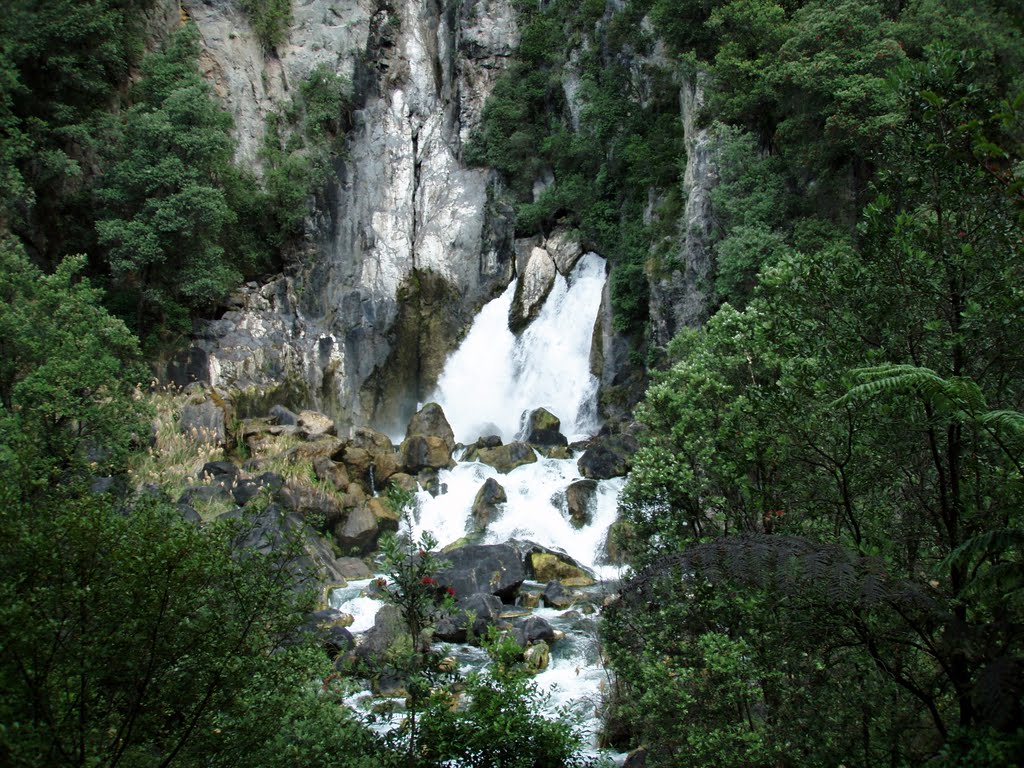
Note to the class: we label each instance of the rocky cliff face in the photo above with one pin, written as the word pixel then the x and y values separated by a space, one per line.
pixel 404 244
pixel 682 296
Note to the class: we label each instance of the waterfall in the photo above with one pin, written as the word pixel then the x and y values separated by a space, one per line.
pixel 486 386
pixel 494 377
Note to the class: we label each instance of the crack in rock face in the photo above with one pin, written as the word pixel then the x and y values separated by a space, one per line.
pixel 400 205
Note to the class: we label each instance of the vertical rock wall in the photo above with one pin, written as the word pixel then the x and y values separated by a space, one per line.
pixel 682 295
pixel 404 238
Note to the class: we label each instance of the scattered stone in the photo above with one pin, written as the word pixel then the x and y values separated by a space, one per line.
pixel 404 481
pixel 332 473
pixel 318 508
pixel 322 447
pixel 485 505
pixel 246 490
pixel 220 472
pixel 488 441
pixel 387 518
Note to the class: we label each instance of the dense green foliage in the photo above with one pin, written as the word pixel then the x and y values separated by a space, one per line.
pixel 128 158
pixel 825 511
pixel 131 636
pixel 270 19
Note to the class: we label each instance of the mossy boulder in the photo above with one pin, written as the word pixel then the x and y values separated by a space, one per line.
pixel 503 458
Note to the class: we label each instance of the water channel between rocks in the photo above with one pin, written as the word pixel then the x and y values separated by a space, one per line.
pixel 487 385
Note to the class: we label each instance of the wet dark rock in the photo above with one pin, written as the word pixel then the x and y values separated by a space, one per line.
pixel 495 569
pixel 608 457
pixel 503 458
pixel 424 452
pixel 556 596
pixel 580 499
pixel 533 629
pixel 485 505
pixel 454 627
pixel 543 428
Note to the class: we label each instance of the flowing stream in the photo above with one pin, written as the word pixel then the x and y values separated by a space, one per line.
pixel 486 387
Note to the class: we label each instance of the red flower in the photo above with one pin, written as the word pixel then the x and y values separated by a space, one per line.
pixel 427 581
pixel 451 591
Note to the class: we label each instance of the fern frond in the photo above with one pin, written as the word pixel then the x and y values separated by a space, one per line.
pixel 1011 421
pixel 894 379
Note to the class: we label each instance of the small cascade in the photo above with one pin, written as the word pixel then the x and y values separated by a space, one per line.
pixel 494 376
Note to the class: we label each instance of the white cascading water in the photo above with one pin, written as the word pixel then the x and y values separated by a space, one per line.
pixel 493 377
pixel 486 386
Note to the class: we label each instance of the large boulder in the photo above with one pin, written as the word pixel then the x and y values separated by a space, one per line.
pixel 565 250
pixel 357 532
pixel 543 428
pixel 454 627
pixel 245 490
pixel 424 452
pixel 580 499
pixel 272 530
pixel 556 596
pixel 537 278
pixel 388 627
pixel 485 505
pixel 314 423
pixel 317 507
pixel 332 473
pixel 545 564
pixel 608 456
pixel 550 566
pixel 430 421
pixel 203 418
pixel 494 569
pixel 503 458
pixel 533 629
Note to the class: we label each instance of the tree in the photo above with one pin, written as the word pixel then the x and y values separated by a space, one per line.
pixel 68 373
pixel 165 212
